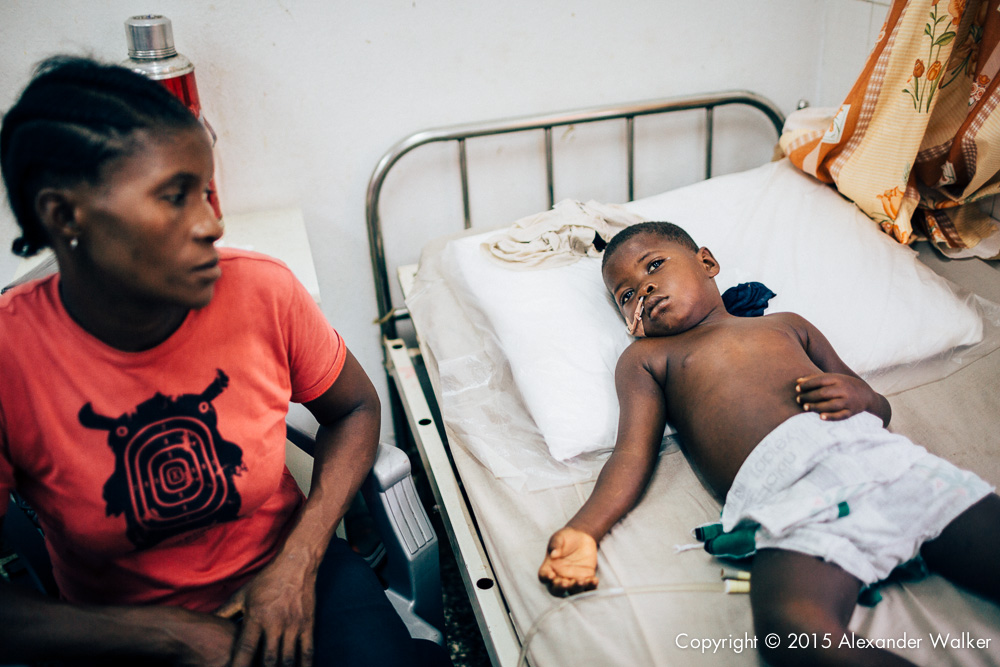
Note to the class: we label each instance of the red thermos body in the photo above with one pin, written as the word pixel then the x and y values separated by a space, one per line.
pixel 151 52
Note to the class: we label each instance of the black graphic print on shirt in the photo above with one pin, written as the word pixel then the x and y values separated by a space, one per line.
pixel 173 471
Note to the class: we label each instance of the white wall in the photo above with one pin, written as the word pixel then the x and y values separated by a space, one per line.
pixel 307 94
pixel 850 30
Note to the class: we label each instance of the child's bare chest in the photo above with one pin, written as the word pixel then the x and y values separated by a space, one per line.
pixel 743 352
pixel 727 387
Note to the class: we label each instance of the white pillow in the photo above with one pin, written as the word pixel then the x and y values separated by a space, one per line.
pixel 562 335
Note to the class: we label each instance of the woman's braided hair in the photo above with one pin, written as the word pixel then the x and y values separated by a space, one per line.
pixel 73 117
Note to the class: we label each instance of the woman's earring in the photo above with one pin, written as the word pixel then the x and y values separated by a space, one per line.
pixel 73 228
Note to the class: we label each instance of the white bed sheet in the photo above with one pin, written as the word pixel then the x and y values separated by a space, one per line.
pixel 655 628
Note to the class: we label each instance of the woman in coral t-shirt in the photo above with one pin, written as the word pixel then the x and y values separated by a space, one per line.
pixel 143 400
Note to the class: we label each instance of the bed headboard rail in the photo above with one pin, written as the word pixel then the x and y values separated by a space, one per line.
pixel 544 122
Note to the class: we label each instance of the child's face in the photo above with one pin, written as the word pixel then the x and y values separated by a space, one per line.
pixel 148 231
pixel 674 284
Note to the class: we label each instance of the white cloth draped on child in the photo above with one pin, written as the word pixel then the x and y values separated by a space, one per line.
pixel 559 236
pixel 849 492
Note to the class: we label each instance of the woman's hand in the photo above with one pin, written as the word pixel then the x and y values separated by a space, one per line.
pixel 836 396
pixel 570 563
pixel 35 628
pixel 279 604
pixel 278 607
pixel 194 639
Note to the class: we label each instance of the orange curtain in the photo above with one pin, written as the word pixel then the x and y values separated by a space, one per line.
pixel 916 143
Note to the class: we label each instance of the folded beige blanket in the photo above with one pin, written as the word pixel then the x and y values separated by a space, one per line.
pixel 559 236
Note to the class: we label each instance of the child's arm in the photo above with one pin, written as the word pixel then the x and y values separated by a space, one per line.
pixel 571 557
pixel 838 392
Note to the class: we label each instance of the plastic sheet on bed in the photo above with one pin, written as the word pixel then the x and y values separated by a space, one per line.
pixel 496 335
pixel 479 399
pixel 896 379
pixel 482 404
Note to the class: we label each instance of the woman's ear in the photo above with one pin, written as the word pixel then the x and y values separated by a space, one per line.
pixel 54 209
pixel 708 261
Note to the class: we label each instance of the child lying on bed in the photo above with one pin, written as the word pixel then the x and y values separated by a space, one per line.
pixel 792 438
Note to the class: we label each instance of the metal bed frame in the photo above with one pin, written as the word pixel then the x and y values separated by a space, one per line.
pixel 412 412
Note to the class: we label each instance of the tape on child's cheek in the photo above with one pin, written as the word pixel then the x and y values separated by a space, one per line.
pixel 635 327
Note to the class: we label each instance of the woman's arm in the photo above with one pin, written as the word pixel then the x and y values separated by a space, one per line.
pixel 35 628
pixel 571 557
pixel 279 603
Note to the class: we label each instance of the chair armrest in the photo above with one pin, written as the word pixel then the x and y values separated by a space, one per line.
pixel 412 568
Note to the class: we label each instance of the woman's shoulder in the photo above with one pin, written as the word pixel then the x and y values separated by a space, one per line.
pixel 250 261
pixel 27 312
pixel 32 297
pixel 252 281
pixel 247 267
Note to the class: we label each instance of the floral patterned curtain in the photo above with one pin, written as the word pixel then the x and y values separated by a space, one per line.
pixel 916 143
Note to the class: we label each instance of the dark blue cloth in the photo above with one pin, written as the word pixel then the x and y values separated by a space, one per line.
pixel 747 299
pixel 355 622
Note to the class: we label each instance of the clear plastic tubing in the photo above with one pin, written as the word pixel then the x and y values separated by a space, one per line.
pixel 608 593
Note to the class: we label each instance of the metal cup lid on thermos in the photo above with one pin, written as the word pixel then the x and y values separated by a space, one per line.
pixel 151 51
pixel 150 36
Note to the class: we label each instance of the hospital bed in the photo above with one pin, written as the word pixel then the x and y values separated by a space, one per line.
pixel 468 392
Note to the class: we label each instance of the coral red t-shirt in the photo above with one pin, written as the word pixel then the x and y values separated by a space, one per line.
pixel 159 476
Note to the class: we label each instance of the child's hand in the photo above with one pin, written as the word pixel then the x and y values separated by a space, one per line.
pixel 833 395
pixel 570 563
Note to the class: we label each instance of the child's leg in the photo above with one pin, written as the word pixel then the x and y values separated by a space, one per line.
pixel 804 600
pixel 968 550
